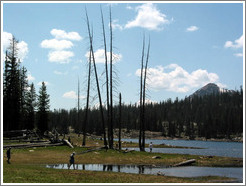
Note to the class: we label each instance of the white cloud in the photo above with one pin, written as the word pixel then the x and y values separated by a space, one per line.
pixel 45 82
pixel 6 37
pixel 174 78
pixel 100 56
pixel 238 43
pixel 192 29
pixel 60 56
pixel 60 73
pixel 30 77
pixel 115 25
pixel 238 54
pixel 22 50
pixel 61 34
pixel 22 46
pixel 56 44
pixel 72 95
pixel 149 17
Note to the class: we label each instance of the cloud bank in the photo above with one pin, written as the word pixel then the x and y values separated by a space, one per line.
pixel 176 79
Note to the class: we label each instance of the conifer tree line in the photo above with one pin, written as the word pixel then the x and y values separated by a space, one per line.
pixel 210 116
pixel 22 107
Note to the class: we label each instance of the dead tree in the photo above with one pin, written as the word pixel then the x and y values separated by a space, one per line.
pixel 87 101
pixel 141 94
pixel 111 142
pixel 78 105
pixel 107 82
pixel 120 121
pixel 97 82
pixel 144 95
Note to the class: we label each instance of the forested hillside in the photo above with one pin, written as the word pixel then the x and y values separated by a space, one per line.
pixel 210 116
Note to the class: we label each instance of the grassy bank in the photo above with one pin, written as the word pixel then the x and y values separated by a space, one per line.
pixel 28 166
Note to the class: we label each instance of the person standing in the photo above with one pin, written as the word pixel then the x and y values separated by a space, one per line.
pixel 71 161
pixel 8 155
pixel 150 146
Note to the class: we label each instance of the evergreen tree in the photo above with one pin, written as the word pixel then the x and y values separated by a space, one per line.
pixel 23 97
pixel 11 88
pixel 31 105
pixel 43 108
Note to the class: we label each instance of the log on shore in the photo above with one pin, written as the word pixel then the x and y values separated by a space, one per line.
pixel 188 162
pixel 68 143
pixel 32 145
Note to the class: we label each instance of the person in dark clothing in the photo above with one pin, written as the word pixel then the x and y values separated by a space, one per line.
pixel 71 161
pixel 8 154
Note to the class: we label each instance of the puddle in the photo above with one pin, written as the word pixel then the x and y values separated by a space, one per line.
pixel 187 171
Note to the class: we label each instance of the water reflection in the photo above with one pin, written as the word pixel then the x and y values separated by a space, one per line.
pixel 187 171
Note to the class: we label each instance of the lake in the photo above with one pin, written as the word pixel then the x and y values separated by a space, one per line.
pixel 210 148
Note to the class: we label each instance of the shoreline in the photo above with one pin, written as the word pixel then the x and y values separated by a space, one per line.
pixel 133 134
pixel 187 139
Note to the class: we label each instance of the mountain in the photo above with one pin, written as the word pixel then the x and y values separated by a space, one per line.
pixel 209 89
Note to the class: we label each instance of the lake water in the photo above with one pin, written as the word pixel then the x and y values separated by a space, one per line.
pixel 210 148
pixel 187 171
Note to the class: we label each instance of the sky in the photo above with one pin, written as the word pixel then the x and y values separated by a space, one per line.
pixel 191 44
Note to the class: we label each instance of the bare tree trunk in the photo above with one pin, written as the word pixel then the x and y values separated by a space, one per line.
pixel 111 84
pixel 141 94
pixel 106 70
pixel 87 102
pixel 98 88
pixel 144 94
pixel 120 122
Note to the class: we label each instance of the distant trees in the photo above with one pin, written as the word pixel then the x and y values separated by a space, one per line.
pixel 211 116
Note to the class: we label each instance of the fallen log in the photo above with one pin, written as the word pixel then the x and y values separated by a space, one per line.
pixel 188 162
pixel 68 143
pixel 17 146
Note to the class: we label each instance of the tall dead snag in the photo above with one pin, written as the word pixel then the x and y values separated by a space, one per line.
pixel 95 70
pixel 141 94
pixel 111 142
pixel 87 101
pixel 144 94
pixel 120 121
pixel 78 105
pixel 106 70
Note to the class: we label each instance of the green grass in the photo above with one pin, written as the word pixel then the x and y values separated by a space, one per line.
pixel 28 166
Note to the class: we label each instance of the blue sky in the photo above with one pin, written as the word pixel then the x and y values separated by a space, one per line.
pixel 192 44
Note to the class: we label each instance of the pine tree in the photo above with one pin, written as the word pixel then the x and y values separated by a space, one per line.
pixel 11 92
pixel 31 105
pixel 23 97
pixel 43 108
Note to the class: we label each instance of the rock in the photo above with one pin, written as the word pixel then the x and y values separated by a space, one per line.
pixel 156 157
pixel 160 174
